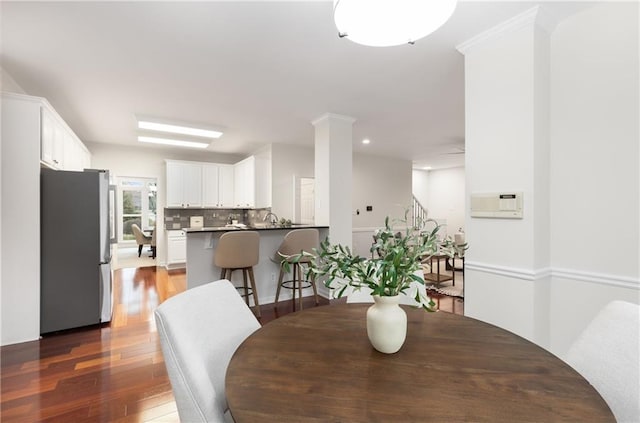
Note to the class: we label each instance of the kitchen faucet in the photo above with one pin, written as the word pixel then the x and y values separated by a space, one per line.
pixel 273 220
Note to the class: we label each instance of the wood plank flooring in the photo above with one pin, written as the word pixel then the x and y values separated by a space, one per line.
pixel 109 373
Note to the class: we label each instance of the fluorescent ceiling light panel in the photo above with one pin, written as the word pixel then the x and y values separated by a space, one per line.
pixel 178 129
pixel 178 143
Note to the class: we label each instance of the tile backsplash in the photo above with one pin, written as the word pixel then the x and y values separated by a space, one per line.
pixel 180 218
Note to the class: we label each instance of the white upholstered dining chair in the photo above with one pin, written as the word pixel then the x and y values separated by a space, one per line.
pixel 607 354
pixel 199 330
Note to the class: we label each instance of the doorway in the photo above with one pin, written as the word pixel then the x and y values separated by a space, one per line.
pixel 305 201
pixel 136 204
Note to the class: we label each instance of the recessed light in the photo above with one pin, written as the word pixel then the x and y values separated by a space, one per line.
pixel 178 129
pixel 179 143
pixel 426 168
pixel 366 141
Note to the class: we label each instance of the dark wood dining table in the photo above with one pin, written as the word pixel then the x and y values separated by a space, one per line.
pixel 317 365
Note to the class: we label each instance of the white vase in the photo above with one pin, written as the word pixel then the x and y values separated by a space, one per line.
pixel 386 324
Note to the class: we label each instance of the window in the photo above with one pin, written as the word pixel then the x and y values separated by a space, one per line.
pixel 138 205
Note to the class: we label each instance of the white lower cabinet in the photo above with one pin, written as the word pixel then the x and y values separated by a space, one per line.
pixel 176 247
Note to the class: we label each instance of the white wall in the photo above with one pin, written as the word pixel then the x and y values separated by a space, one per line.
pixel 594 166
pixel 288 162
pixel 446 198
pixel 8 84
pixel 501 117
pixel 581 188
pixel 383 183
pixel 420 186
pixel 149 163
pixel 20 220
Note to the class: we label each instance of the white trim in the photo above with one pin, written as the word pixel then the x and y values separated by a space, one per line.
pixel 335 116
pixel 512 272
pixel 365 229
pixel 537 15
pixel 599 278
pixel 577 275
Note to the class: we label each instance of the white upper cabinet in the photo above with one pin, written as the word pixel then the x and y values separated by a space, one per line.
pixel 217 185
pixel 225 185
pixel 252 183
pixel 244 183
pixel 51 140
pixel 192 188
pixel 76 157
pixel 184 184
pixel 60 148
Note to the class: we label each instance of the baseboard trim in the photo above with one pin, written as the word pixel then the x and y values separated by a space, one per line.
pixel 534 275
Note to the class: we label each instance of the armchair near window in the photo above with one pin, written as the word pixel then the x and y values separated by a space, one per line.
pixel 141 238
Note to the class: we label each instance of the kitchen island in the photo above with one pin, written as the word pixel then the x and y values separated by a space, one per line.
pixel 201 244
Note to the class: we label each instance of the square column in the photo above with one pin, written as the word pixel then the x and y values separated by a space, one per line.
pixel 333 175
pixel 507 72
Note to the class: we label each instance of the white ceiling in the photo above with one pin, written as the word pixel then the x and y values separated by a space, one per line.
pixel 261 70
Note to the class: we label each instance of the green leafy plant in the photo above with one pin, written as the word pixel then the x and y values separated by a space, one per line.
pixel 391 269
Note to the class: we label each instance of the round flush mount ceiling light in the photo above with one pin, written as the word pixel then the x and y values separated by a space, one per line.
pixel 383 23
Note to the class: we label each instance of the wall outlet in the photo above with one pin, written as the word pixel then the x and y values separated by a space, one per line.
pixel 273 277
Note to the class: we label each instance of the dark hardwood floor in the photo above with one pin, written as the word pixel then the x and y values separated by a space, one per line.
pixel 113 372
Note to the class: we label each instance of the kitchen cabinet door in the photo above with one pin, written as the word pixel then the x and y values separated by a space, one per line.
pixel 51 140
pixel 244 183
pixel 225 185
pixel 174 185
pixel 192 185
pixel 210 185
pixel 184 184
pixel 176 247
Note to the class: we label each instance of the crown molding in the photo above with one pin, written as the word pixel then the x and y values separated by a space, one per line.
pixel 332 116
pixel 537 15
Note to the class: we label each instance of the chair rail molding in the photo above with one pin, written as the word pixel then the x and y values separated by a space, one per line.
pixel 599 278
pixel 512 272
pixel 577 275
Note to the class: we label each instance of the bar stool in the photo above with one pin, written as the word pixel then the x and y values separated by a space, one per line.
pixel 239 251
pixel 295 242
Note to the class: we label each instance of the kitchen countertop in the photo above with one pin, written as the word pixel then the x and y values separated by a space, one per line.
pixel 251 228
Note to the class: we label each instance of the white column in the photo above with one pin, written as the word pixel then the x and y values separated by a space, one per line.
pixel 333 175
pixel 507 143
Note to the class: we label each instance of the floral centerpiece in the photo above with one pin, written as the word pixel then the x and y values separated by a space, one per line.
pixel 397 256
pixel 398 252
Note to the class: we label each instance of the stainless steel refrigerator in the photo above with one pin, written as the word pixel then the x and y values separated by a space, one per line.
pixel 75 253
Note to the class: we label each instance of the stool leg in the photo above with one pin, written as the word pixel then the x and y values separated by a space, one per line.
pixel 255 292
pixel 299 280
pixel 223 273
pixel 245 287
pixel 293 279
pixel 453 270
pixel 315 289
pixel 280 277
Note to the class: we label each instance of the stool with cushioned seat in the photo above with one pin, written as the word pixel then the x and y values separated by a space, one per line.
pixel 295 242
pixel 240 250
